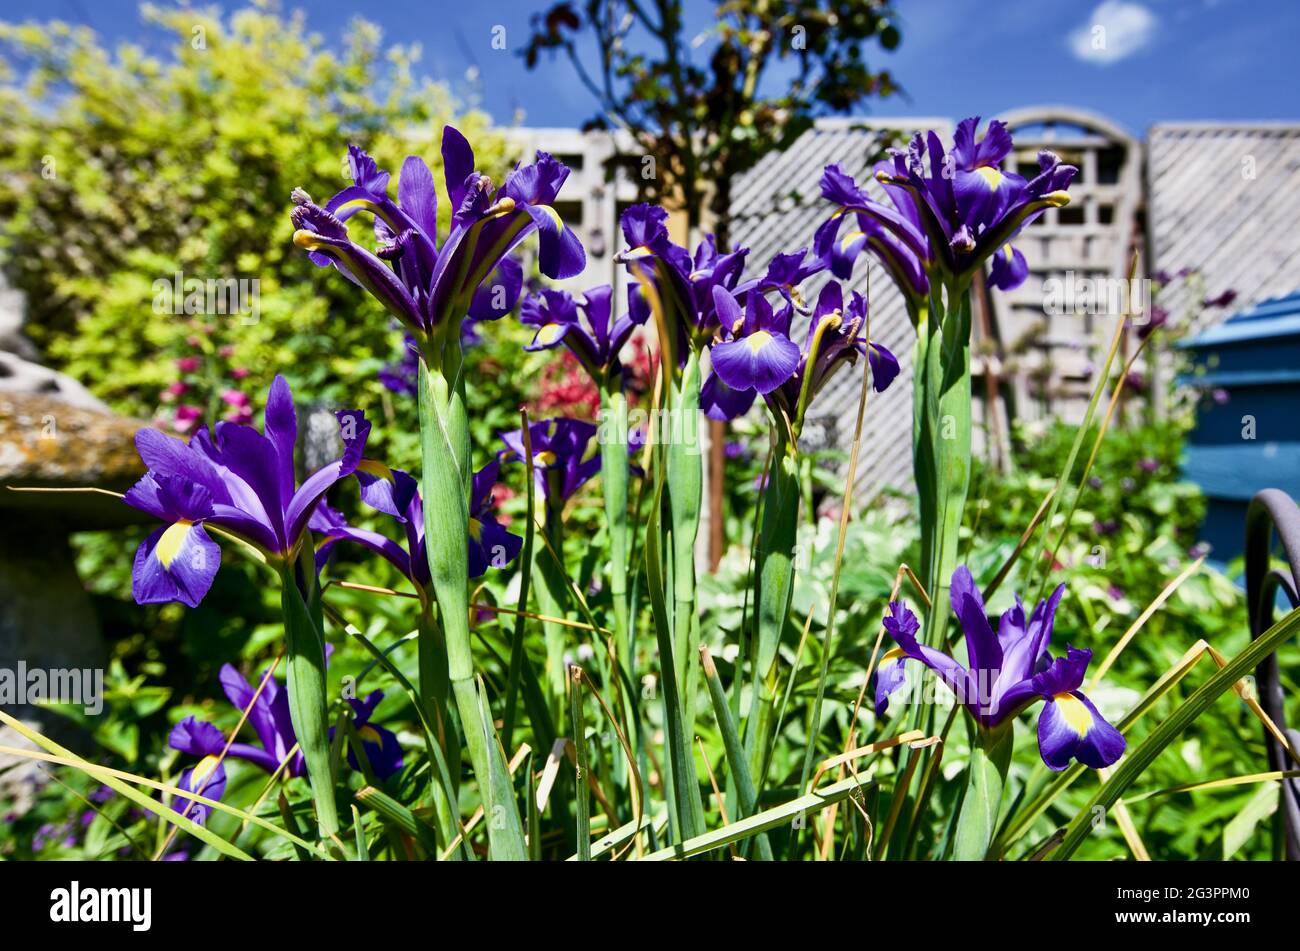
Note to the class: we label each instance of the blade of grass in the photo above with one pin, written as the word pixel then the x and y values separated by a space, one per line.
pixel 359 830
pixel 119 780
pixel 402 817
pixel 734 747
pixel 580 774
pixel 761 822
pixel 1224 783
pixel 637 788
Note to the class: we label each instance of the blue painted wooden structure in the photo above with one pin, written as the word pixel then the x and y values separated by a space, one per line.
pixel 1248 438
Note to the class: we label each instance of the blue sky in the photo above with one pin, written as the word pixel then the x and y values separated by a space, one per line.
pixel 1152 60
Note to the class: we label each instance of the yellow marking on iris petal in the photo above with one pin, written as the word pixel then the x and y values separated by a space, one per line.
pixel 169 545
pixel 550 333
pixel 376 468
pixel 202 771
pixel 1007 250
pixel 370 735
pixel 758 340
pixel 475 529
pixel 894 653
pixel 1076 716
pixel 308 240
pixel 544 458
pixel 554 216
pixel 849 239
pixel 992 176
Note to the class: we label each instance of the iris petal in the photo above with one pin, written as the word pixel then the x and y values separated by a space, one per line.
pixel 761 361
pixel 560 253
pixel 890 676
pixel 1071 728
pixel 175 563
pixel 721 402
pixel 982 648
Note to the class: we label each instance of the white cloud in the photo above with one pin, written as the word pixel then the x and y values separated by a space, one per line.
pixel 1115 30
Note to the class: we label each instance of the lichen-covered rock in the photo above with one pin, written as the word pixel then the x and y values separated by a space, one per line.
pixel 47 442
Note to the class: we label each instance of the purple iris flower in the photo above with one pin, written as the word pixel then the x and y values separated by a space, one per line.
pixel 684 281
pixel 559 445
pixel 239 481
pixel 471 272
pixel 558 319
pixel 380 745
pixel 397 494
pixel 269 717
pixel 760 358
pixel 207 777
pixel 961 211
pixel 1007 672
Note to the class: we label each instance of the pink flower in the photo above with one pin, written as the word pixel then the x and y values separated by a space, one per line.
pixel 236 398
pixel 188 364
pixel 238 373
pixel 187 415
pixel 240 414
pixel 227 351
pixel 177 388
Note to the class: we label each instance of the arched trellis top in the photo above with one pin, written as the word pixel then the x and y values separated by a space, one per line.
pixel 1053 118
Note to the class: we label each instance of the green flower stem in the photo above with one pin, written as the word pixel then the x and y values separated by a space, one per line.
pixel 942 443
pixel 774 586
pixel 684 460
pixel 614 475
pixel 434 686
pixel 435 691
pixel 305 667
pixel 614 479
pixel 685 485
pixel 551 592
pixel 444 443
pixel 990 758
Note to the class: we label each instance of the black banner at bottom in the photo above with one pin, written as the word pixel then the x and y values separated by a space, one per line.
pixel 137 902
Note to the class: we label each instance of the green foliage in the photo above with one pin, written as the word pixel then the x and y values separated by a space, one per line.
pixel 120 168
